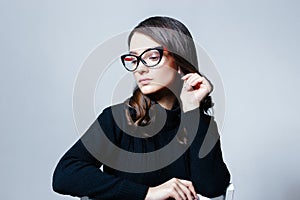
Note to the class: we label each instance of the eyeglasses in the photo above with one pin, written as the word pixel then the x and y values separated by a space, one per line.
pixel 150 58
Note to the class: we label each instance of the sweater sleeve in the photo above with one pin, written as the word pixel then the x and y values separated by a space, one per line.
pixel 78 174
pixel 208 171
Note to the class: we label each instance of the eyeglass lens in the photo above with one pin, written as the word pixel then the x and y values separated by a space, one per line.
pixel 149 58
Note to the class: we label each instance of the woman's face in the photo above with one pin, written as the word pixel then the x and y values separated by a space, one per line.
pixel 151 80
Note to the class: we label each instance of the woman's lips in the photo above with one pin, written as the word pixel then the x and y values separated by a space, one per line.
pixel 145 81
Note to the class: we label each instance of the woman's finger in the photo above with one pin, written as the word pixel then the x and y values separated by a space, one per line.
pixel 176 196
pixel 187 86
pixel 187 192
pixel 180 193
pixel 194 78
pixel 185 77
pixel 189 184
pixel 197 81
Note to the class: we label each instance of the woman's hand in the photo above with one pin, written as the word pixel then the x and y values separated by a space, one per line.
pixel 195 88
pixel 178 189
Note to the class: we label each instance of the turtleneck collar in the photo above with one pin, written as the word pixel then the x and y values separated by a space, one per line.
pixel 172 116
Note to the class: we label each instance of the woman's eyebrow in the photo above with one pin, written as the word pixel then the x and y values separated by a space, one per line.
pixel 132 52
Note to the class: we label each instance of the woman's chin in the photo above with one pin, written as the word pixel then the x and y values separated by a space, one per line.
pixel 147 89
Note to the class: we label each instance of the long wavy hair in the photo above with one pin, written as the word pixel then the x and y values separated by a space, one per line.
pixel 174 36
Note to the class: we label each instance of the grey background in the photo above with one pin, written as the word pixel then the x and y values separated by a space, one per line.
pixel 254 44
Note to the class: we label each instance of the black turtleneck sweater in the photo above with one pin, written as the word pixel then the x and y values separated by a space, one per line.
pixel 78 173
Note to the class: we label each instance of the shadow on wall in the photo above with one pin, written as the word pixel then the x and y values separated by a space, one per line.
pixel 292 192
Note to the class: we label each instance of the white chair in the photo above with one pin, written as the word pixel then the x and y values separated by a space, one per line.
pixel 229 192
pixel 228 195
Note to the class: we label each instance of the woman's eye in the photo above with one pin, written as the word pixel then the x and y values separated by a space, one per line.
pixel 154 58
pixel 130 60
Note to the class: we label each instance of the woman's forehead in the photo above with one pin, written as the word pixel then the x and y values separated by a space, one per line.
pixel 140 42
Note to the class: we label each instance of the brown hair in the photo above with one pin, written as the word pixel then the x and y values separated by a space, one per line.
pixel 175 36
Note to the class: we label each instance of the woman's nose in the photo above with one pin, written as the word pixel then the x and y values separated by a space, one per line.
pixel 142 68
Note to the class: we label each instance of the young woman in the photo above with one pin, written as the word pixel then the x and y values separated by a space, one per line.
pixel 168 106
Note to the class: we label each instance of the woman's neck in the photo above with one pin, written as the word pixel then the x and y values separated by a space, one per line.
pixel 167 103
pixel 165 98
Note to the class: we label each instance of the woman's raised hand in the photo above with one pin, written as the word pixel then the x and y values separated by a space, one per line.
pixel 195 88
pixel 178 189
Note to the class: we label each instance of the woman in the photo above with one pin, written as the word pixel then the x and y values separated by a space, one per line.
pixel 169 89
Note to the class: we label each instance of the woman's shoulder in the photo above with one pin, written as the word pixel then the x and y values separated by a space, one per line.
pixel 207 122
pixel 207 118
pixel 204 118
pixel 117 115
pixel 109 111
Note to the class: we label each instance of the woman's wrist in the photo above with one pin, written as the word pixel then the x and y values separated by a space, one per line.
pixel 190 106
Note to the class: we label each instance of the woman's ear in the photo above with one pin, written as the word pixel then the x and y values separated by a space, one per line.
pixel 179 70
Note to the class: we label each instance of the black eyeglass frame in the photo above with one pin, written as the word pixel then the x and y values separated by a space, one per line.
pixel 139 58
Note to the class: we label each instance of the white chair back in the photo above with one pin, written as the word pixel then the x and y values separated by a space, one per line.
pixel 227 196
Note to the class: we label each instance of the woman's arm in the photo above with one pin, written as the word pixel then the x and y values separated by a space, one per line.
pixel 208 171
pixel 78 173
